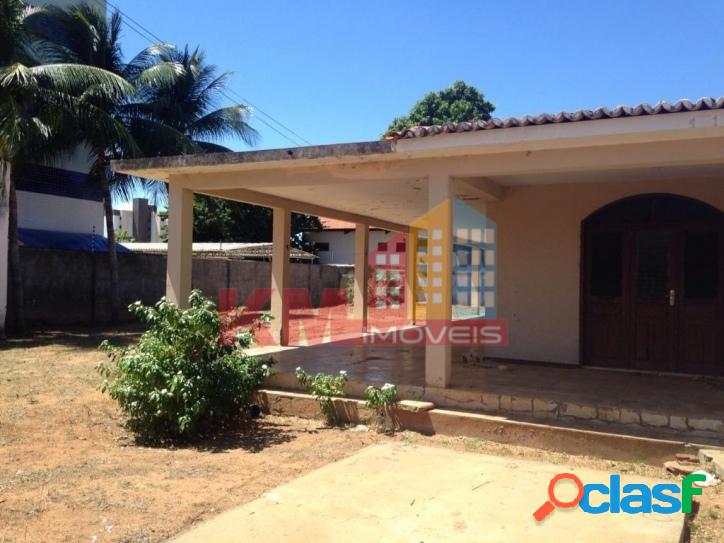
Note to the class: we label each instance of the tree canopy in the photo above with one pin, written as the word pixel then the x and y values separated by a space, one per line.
pixel 216 219
pixel 456 103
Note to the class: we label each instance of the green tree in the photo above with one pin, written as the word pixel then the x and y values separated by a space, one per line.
pixel 42 111
pixel 217 219
pixel 187 104
pixel 85 35
pixel 457 103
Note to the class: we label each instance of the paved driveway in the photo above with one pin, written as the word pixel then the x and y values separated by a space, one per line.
pixel 417 494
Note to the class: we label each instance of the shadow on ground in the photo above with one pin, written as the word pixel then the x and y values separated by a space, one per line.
pixel 75 336
pixel 249 435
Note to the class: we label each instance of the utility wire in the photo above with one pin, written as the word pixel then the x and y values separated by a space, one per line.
pixel 146 34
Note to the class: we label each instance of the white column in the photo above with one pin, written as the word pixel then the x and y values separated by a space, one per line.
pixel 361 267
pixel 280 274
pixel 411 275
pixel 180 238
pixel 438 357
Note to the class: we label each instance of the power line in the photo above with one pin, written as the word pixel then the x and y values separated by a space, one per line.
pixel 146 34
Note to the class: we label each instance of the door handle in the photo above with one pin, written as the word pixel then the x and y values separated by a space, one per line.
pixel 672 297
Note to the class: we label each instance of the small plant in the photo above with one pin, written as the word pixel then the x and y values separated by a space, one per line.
pixel 324 388
pixel 382 400
pixel 123 235
pixel 181 379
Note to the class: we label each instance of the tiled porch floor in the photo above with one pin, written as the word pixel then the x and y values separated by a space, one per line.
pixel 675 402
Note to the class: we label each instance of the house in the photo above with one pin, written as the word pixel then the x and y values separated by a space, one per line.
pixel 335 241
pixel 596 236
pixel 235 251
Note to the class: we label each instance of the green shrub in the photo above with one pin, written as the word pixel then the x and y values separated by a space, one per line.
pixel 324 387
pixel 181 378
pixel 382 400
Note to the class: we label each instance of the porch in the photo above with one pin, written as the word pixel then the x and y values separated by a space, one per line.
pixel 493 222
pixel 656 405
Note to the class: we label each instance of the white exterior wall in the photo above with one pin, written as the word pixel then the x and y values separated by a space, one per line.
pixel 58 213
pixel 124 220
pixel 341 244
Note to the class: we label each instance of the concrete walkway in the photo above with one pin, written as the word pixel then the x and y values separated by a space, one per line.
pixel 408 493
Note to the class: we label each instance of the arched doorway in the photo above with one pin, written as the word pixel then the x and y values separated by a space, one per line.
pixel 653 285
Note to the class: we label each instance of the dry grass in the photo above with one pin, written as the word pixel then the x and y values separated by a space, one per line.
pixel 70 472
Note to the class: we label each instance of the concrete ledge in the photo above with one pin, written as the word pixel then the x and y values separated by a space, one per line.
pixel 660 424
pixel 568 440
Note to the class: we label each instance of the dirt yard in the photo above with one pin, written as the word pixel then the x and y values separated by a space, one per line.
pixel 70 472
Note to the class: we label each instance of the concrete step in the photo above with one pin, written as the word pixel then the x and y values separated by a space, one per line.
pixel 713 461
pixel 563 436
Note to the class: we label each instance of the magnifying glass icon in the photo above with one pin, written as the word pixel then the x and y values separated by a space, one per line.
pixel 548 507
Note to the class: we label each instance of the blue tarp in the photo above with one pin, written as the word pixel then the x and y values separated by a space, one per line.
pixel 68 241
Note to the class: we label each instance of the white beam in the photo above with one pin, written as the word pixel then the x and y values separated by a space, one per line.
pixel 267 200
pixel 180 234
pixel 281 276
pixel 361 266
pixel 479 187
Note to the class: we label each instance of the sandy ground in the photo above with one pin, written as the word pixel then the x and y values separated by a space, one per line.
pixel 70 472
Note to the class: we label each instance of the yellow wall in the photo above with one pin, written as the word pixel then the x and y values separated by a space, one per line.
pixel 538 259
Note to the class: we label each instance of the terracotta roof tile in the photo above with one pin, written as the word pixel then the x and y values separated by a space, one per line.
pixel 562 117
pixel 334 224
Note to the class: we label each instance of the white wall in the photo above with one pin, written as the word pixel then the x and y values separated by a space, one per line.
pixel 50 212
pixel 341 244
pixel 538 255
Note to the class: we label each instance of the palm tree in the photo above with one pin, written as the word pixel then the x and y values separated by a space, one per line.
pixel 85 35
pixel 187 103
pixel 42 110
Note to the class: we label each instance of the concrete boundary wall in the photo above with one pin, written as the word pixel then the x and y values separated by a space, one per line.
pixel 70 287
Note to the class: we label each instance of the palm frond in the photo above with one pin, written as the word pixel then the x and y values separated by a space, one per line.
pixel 163 74
pixel 223 122
pixel 78 78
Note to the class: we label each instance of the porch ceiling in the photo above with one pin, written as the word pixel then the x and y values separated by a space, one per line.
pixel 385 183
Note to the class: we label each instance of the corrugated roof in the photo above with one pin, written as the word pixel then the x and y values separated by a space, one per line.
pixel 226 250
pixel 562 117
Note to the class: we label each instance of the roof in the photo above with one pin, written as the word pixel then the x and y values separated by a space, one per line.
pixel 329 152
pixel 562 117
pixel 260 251
pixel 66 241
pixel 335 224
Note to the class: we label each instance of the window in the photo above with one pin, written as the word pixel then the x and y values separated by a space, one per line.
pixel 606 263
pixel 400 247
pixel 322 246
pixel 382 246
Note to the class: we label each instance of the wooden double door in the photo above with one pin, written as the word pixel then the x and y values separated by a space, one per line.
pixel 653 287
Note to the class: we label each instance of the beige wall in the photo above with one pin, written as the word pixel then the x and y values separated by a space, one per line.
pixel 538 259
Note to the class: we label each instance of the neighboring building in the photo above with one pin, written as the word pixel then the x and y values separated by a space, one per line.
pixel 60 200
pixel 235 251
pixel 335 242
pixel 142 222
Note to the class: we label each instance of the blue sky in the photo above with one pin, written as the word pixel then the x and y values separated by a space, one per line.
pixel 340 71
